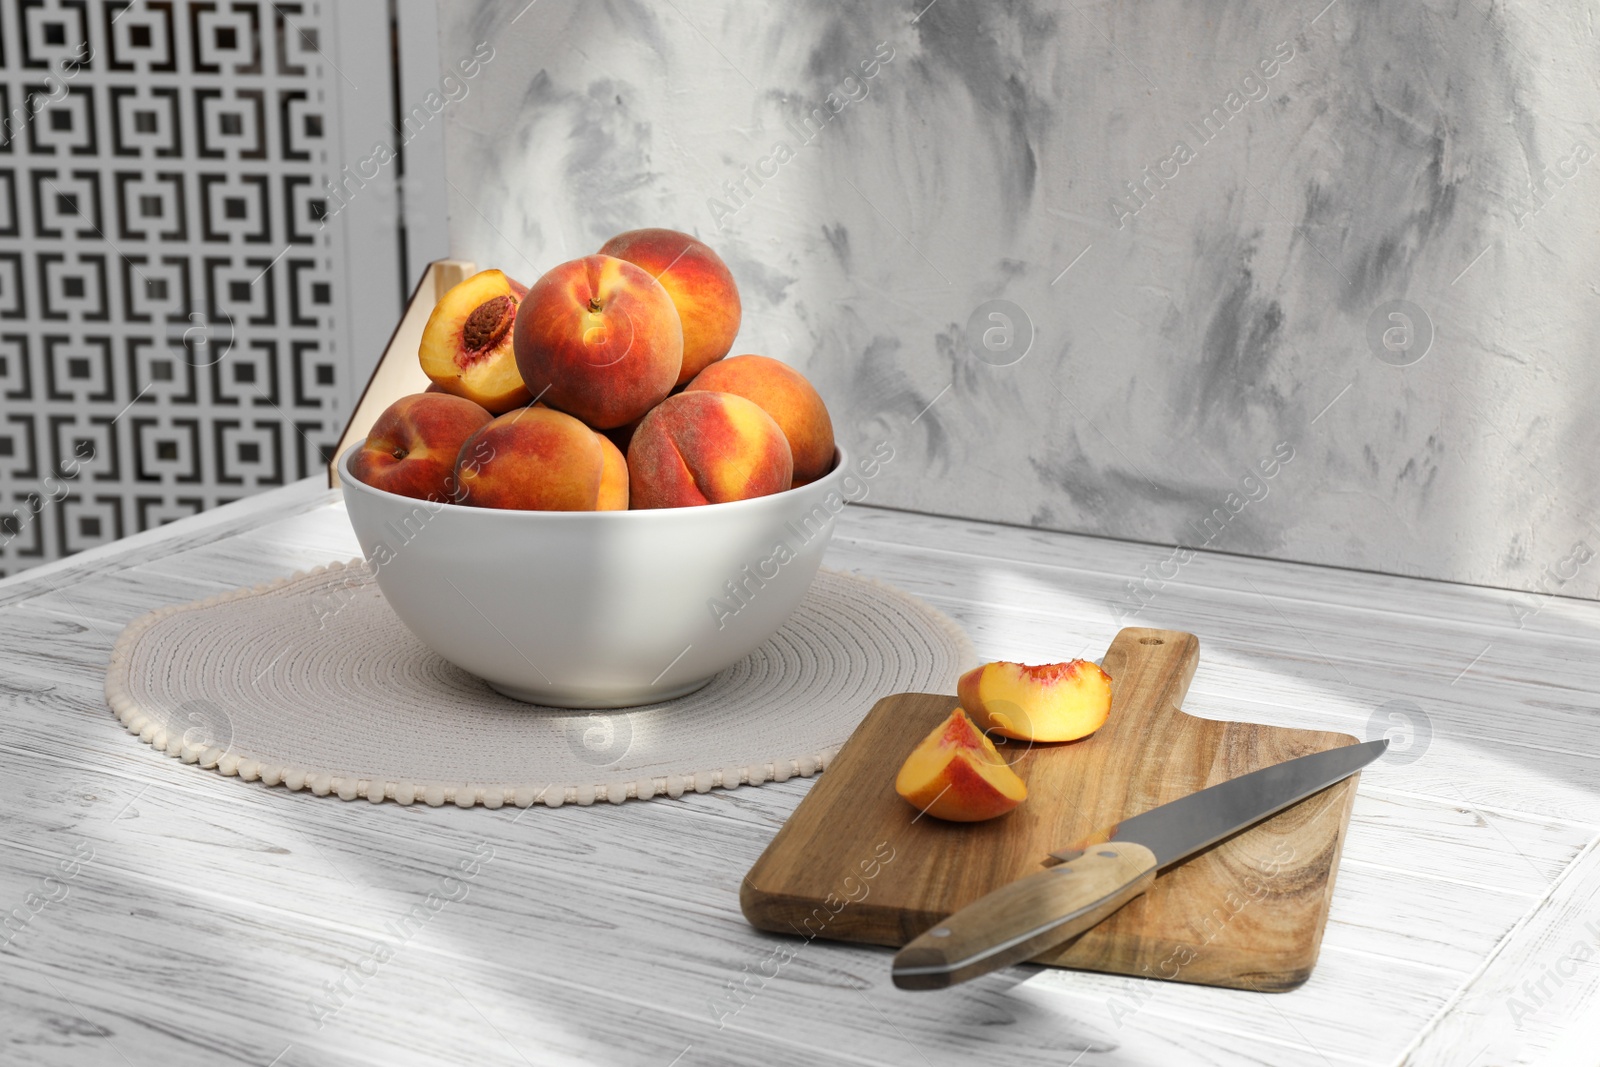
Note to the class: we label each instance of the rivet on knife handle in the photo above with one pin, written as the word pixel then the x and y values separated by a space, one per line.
pixel 1029 916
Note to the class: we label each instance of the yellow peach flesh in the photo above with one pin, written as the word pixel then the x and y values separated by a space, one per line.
pixel 957 774
pixel 1048 702
pixel 466 346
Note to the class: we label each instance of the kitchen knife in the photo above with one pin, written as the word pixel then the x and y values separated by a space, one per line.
pixel 1086 885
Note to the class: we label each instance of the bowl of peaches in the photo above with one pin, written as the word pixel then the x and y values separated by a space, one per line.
pixel 594 505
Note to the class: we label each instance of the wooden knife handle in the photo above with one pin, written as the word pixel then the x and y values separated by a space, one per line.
pixel 1031 915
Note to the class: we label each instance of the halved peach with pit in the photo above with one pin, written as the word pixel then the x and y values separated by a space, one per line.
pixel 958 775
pixel 466 346
pixel 1048 702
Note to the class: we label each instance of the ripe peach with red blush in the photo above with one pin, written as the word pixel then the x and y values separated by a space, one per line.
pixel 412 446
pixel 786 395
pixel 706 448
pixel 699 283
pixel 598 338
pixel 533 459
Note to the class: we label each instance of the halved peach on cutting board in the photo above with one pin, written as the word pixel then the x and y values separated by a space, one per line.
pixel 958 775
pixel 1048 702
pixel 466 346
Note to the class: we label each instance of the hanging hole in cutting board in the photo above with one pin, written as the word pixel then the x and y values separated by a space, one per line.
pixel 1151 641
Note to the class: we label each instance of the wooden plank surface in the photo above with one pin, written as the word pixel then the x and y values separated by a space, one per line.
pixel 213 911
pixel 1247 913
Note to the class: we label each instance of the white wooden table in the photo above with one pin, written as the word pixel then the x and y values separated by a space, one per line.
pixel 163 915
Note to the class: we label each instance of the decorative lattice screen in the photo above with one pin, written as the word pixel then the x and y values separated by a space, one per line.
pixel 170 309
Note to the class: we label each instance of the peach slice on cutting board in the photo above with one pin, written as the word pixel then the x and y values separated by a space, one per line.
pixel 1048 702
pixel 958 775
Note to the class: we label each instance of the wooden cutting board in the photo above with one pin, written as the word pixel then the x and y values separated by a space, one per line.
pixel 855 862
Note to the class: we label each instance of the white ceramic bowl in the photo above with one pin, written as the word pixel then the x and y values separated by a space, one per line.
pixel 595 609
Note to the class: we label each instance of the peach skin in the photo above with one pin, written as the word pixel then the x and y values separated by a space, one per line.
pixel 598 338
pixel 622 436
pixel 786 395
pixel 699 283
pixel 706 448
pixel 613 477
pixel 957 774
pixel 1049 702
pixel 532 459
pixel 412 446
pixel 466 346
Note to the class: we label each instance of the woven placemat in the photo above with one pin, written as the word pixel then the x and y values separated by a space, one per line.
pixel 257 684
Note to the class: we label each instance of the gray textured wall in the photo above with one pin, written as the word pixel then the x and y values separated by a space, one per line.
pixel 1204 212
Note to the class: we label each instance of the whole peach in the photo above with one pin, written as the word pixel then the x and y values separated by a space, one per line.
pixel 532 459
pixel 699 283
pixel 786 395
pixel 706 448
pixel 598 338
pixel 412 446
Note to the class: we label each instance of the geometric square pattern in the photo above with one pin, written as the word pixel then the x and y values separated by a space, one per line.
pixel 167 291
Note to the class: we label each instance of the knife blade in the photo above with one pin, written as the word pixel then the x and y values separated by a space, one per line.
pixel 1088 883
